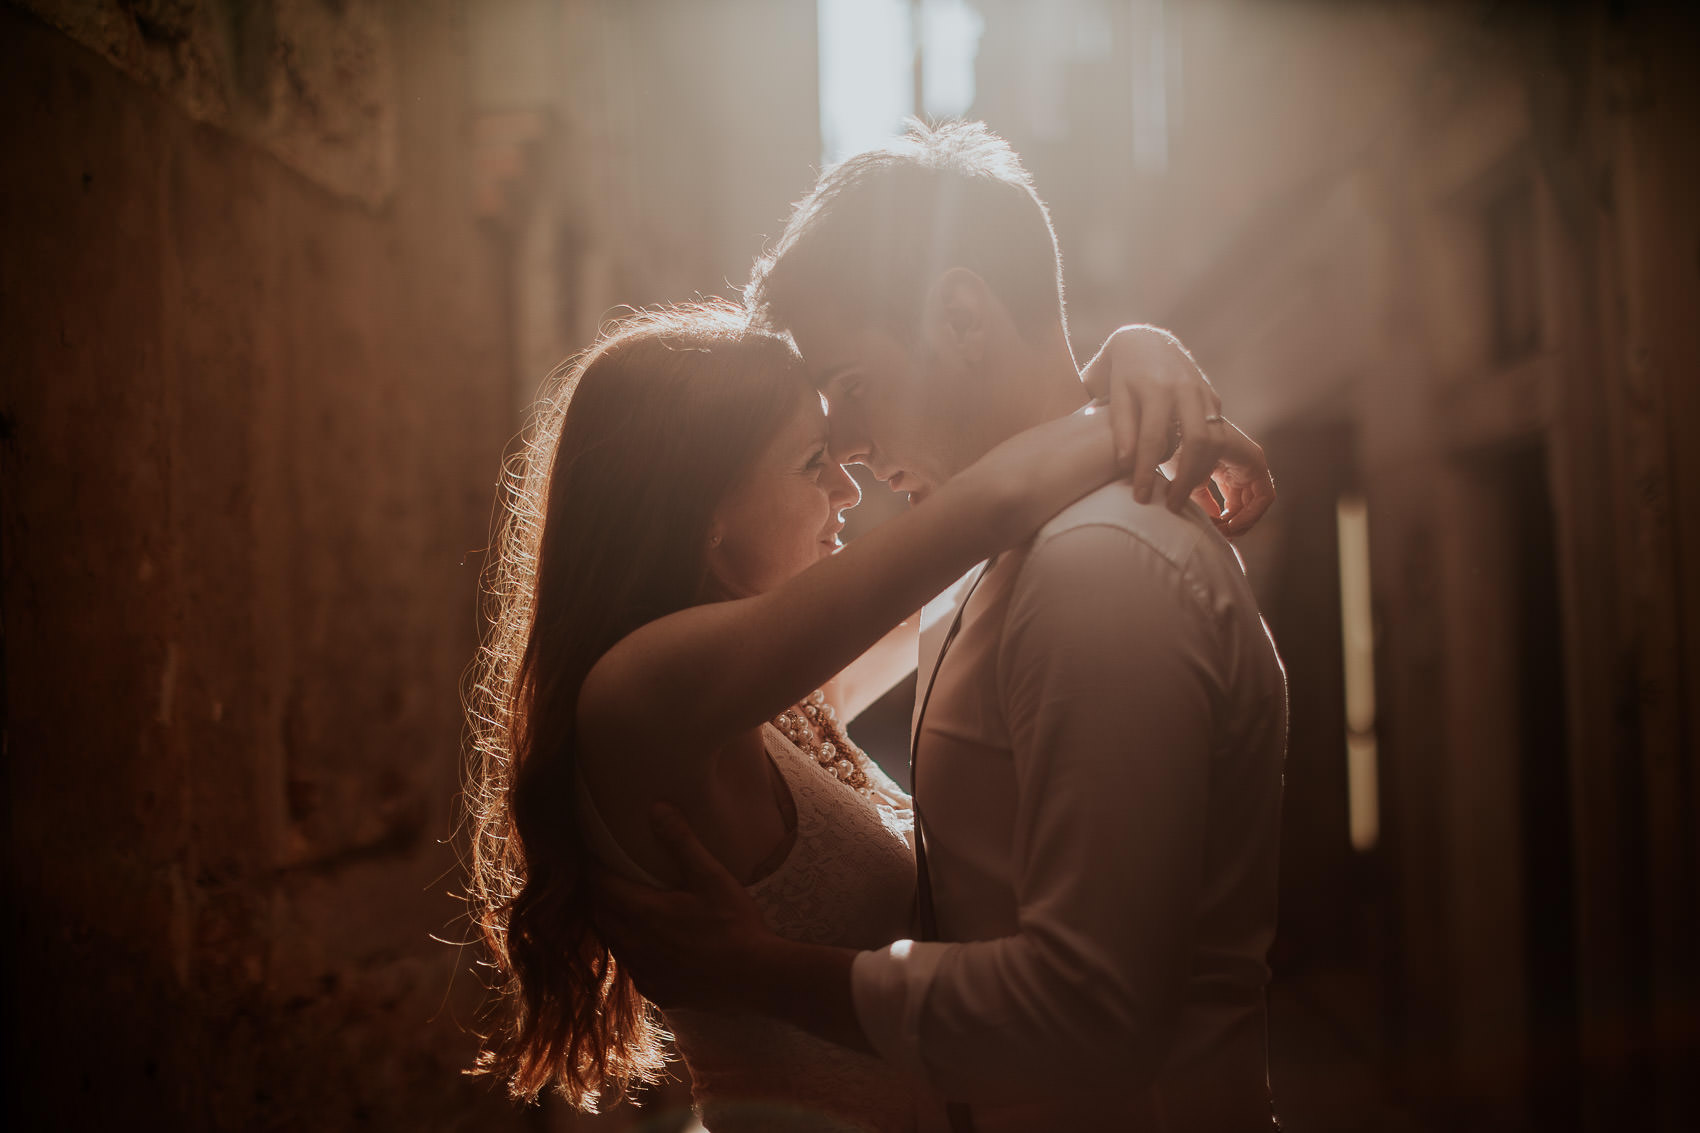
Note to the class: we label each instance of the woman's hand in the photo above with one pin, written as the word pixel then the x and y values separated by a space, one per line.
pixel 1242 477
pixel 1156 389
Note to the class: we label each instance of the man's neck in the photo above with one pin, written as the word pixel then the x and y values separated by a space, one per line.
pixel 1022 384
pixel 1036 385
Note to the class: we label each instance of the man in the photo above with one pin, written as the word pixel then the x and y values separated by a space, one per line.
pixel 1101 719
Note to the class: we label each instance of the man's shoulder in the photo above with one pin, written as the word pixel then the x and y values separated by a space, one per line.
pixel 1176 539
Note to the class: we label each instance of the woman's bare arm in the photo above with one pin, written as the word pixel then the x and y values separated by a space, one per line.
pixel 687 683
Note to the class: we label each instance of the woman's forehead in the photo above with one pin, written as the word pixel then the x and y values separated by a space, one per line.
pixel 810 419
pixel 806 423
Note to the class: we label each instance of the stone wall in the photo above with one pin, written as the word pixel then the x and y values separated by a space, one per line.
pixel 253 407
pixel 312 82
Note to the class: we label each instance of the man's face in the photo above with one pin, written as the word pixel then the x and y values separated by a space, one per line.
pixel 889 406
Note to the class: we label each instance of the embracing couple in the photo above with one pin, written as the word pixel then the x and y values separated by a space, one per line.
pixel 1066 927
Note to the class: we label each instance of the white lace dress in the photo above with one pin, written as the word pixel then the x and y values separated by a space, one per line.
pixel 848 881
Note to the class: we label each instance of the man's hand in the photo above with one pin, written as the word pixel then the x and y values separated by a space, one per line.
pixel 698 946
pixel 1154 387
pixel 706 946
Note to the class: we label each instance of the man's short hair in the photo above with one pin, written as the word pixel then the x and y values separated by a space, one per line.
pixel 881 226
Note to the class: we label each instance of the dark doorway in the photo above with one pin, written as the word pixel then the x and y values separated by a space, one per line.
pixel 1516 678
pixel 1543 764
pixel 1327 999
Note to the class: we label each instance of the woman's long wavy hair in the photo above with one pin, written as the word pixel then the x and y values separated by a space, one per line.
pixel 603 527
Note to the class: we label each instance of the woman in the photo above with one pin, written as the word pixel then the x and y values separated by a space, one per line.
pixel 678 498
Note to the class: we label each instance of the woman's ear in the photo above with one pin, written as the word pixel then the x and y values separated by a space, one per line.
pixel 714 564
pixel 956 316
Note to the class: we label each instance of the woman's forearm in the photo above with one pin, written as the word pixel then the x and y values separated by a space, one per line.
pixel 725 667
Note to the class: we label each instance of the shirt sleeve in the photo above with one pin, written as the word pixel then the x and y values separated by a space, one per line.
pixel 1105 674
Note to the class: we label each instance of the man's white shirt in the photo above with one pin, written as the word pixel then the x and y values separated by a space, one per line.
pixel 1100 772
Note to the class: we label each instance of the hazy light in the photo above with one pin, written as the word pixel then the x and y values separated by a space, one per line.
pixel 950 42
pixel 867 73
pixel 1357 632
pixel 1363 807
pixel 867 67
pixel 1150 84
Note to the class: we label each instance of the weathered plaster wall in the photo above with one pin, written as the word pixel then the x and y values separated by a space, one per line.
pixel 1534 887
pixel 310 81
pixel 251 425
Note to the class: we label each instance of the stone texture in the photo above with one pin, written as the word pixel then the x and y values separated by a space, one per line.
pixel 312 81
pixel 251 429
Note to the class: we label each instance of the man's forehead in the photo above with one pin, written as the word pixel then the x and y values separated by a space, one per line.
pixel 826 378
pixel 825 361
pixel 830 349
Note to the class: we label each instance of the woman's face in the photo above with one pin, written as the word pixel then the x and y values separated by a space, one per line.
pixel 786 513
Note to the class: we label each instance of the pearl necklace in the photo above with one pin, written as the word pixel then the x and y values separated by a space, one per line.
pixel 812 725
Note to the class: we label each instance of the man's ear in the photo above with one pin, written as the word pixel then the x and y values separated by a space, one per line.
pixel 956 315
